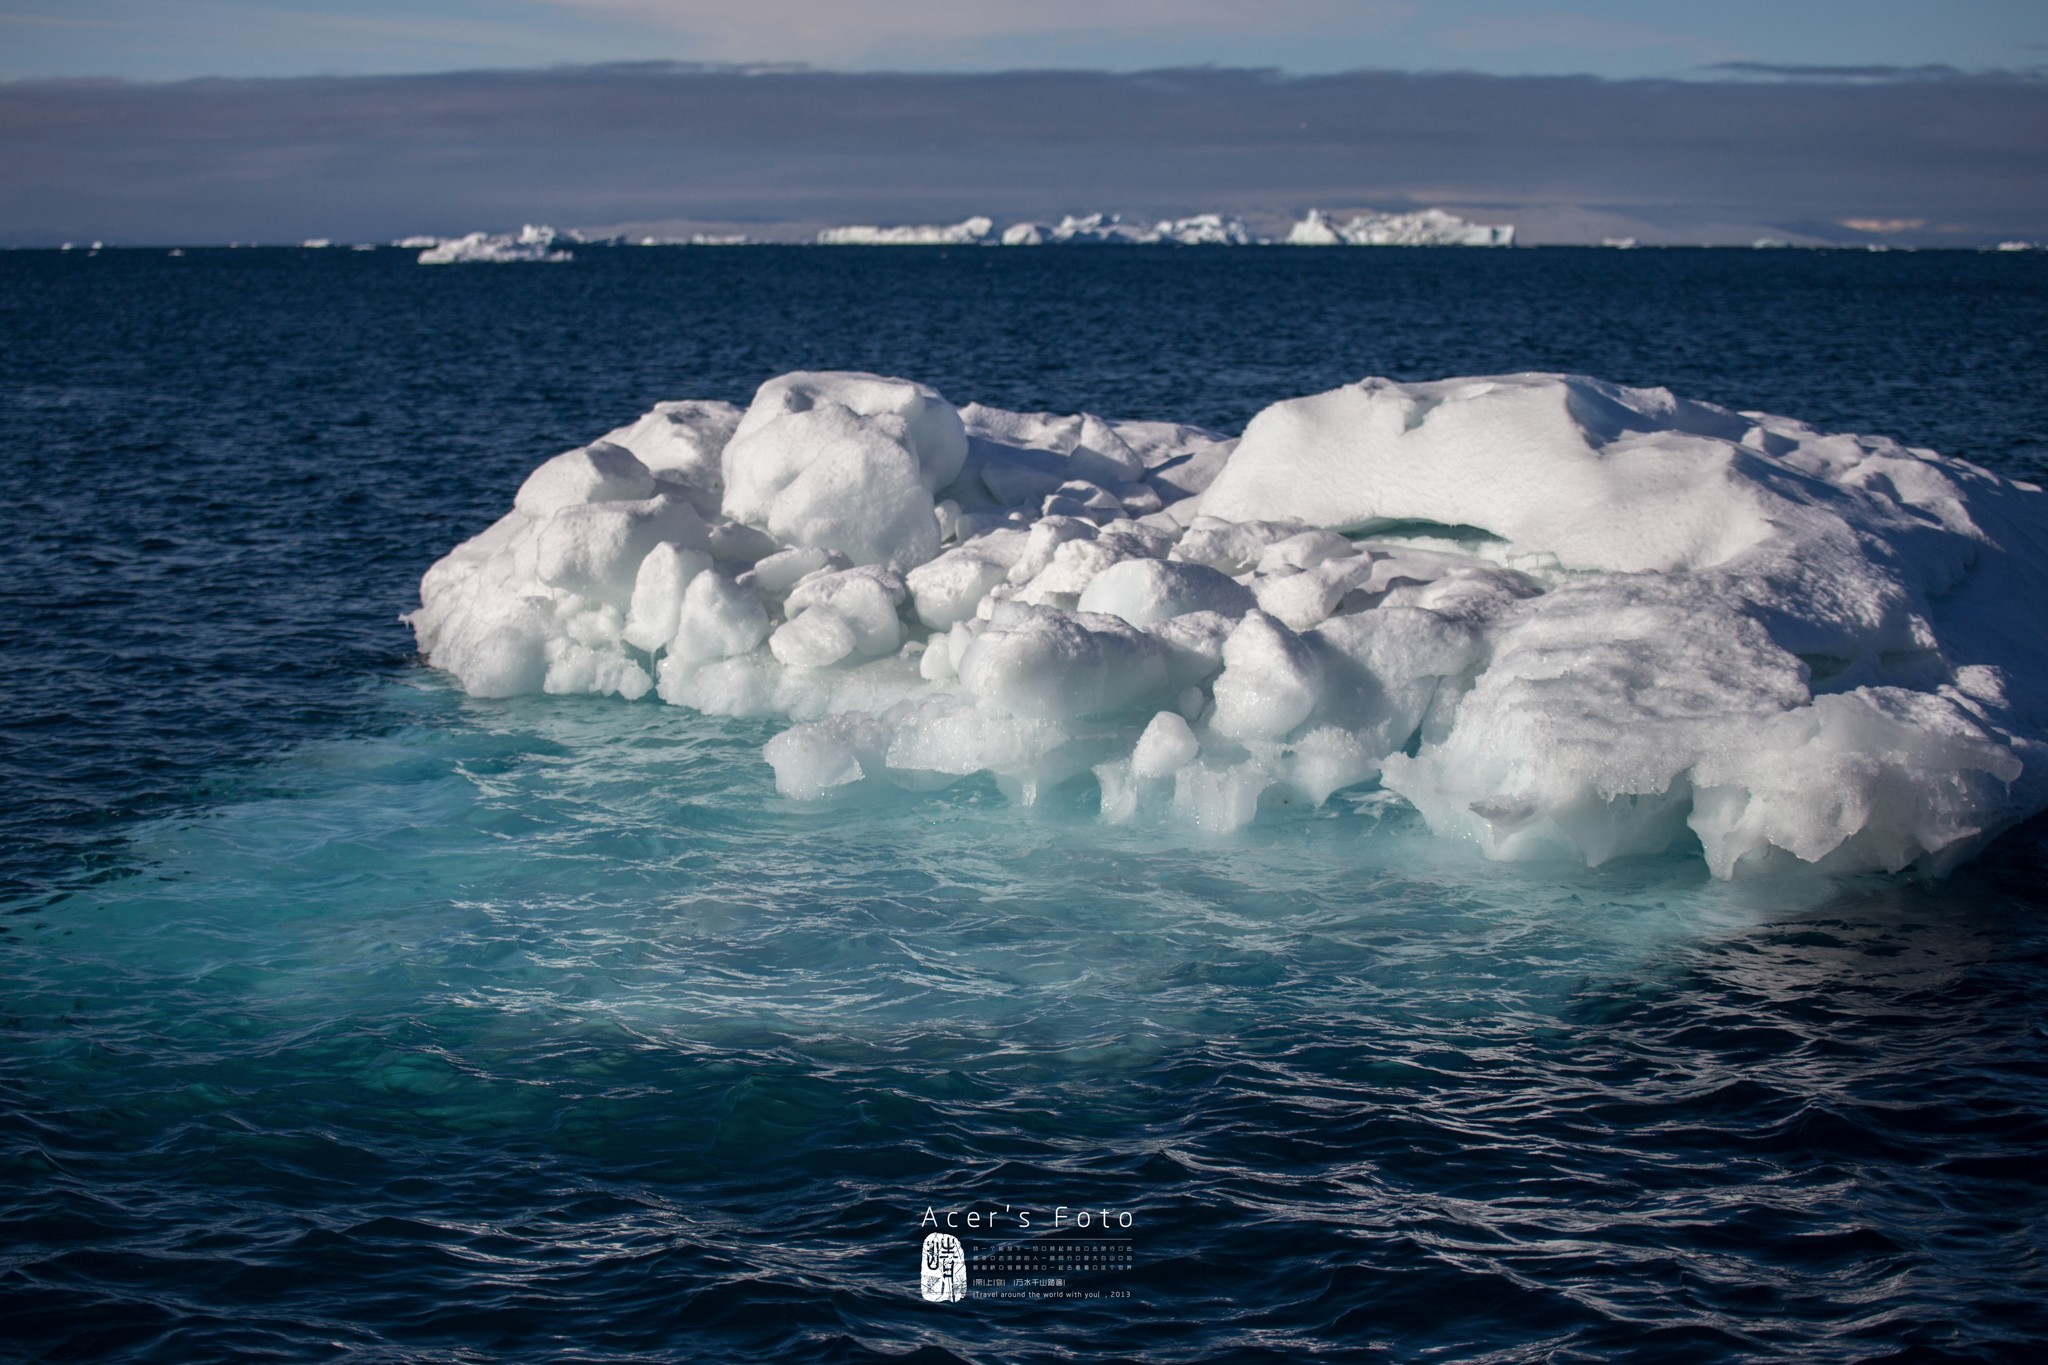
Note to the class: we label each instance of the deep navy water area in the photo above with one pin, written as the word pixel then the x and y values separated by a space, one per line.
pixel 344 1016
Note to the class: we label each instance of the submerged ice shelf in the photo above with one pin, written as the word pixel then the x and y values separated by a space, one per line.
pixel 1557 615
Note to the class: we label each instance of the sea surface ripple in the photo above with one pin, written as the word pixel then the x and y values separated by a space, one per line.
pixel 343 1016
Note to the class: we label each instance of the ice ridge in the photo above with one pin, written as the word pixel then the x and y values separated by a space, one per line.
pixel 530 243
pixel 1557 615
pixel 1430 227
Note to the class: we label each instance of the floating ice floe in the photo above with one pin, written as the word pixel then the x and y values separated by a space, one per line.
pixel 1557 615
pixel 967 232
pixel 530 244
pixel 1430 227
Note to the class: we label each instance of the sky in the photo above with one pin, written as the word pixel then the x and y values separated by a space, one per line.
pixel 194 121
pixel 171 39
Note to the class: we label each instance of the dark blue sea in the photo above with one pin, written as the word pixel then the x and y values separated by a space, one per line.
pixel 343 1016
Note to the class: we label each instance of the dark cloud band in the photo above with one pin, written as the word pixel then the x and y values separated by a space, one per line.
pixel 215 160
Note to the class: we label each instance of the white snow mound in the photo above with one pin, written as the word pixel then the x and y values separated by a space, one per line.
pixel 1559 616
pixel 530 243
pixel 966 232
pixel 1430 227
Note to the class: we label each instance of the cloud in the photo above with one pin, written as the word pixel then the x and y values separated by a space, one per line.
pixel 374 157
pixel 1933 71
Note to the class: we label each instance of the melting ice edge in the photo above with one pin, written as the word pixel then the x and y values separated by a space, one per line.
pixel 1555 614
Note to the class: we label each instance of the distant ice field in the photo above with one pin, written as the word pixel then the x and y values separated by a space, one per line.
pixel 347 1014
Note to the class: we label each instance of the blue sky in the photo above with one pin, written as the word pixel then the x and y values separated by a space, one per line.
pixel 169 39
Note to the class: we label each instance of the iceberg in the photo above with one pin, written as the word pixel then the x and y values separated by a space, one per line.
pixel 1094 229
pixel 531 243
pixel 1430 227
pixel 693 239
pixel 1560 617
pixel 966 232
pixel 1097 229
pixel 1109 229
pixel 1204 229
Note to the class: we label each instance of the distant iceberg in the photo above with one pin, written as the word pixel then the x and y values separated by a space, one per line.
pixel 1093 229
pixel 966 232
pixel 692 239
pixel 1560 617
pixel 1110 229
pixel 1097 229
pixel 531 244
pixel 1205 229
pixel 417 242
pixel 1430 227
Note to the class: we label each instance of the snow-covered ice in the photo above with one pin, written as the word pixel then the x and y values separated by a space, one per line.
pixel 530 243
pixel 1092 229
pixel 966 232
pixel 1205 229
pixel 1558 616
pixel 1110 229
pixel 1430 227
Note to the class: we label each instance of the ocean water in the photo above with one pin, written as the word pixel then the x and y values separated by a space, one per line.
pixel 343 1016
